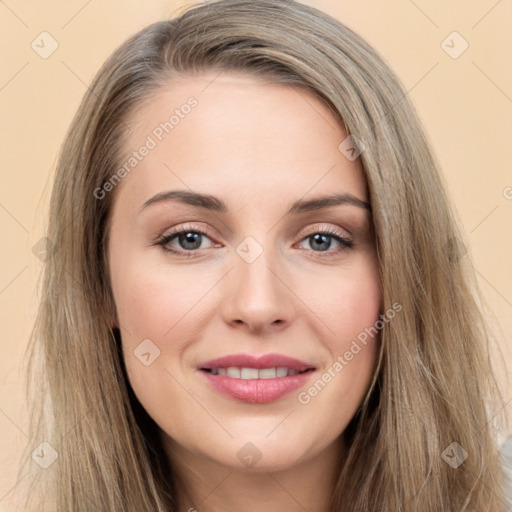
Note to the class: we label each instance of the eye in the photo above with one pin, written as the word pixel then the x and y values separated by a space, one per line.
pixel 321 241
pixel 188 240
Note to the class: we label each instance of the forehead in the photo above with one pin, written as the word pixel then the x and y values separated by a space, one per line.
pixel 236 134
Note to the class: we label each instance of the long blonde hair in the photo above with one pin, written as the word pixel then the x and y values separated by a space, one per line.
pixel 434 385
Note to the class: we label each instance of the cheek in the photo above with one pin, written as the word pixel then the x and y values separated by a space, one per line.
pixel 160 313
pixel 350 306
pixel 152 303
pixel 157 319
pixel 358 307
pixel 350 302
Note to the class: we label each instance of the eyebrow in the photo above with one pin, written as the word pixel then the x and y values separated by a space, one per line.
pixel 215 204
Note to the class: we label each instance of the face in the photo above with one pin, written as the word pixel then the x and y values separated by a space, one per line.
pixel 238 292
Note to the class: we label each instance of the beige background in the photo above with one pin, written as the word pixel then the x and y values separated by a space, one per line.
pixel 465 103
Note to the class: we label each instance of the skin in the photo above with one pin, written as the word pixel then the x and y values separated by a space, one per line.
pixel 258 147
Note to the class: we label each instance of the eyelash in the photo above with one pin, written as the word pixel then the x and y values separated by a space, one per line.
pixel 163 241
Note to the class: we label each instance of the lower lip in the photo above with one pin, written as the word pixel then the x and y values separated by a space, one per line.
pixel 257 391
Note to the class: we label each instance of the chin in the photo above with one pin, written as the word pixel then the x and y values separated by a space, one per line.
pixel 260 455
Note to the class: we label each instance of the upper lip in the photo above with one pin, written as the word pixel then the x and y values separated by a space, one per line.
pixel 250 361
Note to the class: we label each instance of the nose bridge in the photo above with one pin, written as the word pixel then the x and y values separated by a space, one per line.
pixel 257 296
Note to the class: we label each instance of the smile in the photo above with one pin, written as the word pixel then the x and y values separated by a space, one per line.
pixel 256 380
pixel 255 373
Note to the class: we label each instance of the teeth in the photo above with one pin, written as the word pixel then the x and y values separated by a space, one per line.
pixel 267 373
pixel 249 373
pixel 282 372
pixel 254 373
pixel 233 372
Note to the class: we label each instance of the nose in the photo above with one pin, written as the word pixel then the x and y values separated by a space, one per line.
pixel 257 297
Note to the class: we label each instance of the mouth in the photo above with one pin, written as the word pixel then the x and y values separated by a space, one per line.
pixel 246 373
pixel 256 380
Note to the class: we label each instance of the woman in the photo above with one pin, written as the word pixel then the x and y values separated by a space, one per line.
pixel 258 298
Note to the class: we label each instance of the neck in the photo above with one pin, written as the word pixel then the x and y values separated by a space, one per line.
pixel 207 486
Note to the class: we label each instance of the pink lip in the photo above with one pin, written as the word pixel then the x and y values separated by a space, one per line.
pixel 257 391
pixel 249 361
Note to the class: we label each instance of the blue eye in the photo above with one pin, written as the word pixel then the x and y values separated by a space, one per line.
pixel 323 241
pixel 189 240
